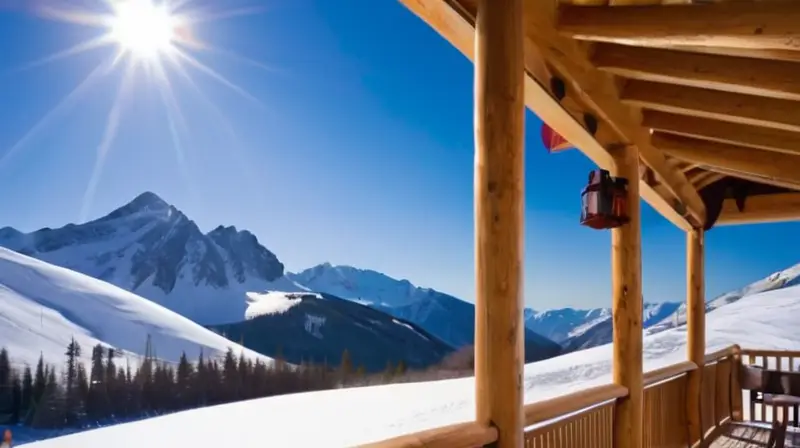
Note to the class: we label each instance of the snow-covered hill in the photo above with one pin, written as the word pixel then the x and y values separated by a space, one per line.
pixel 149 247
pixel 43 306
pixel 318 328
pixel 777 280
pixel 767 320
pixel 599 331
pixel 446 317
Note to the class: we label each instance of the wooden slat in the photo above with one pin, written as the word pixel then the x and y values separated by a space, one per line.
pixel 726 106
pixel 589 428
pixel 744 24
pixel 748 160
pixel 665 414
pixel 499 218
pixel 723 132
pixel 735 74
pixel 544 410
pixel 761 209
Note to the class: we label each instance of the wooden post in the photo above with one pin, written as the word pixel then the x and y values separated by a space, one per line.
pixel 499 213
pixel 626 271
pixel 695 328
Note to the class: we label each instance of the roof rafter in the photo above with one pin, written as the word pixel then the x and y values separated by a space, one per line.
pixel 735 74
pixel 566 117
pixel 749 24
pixel 726 106
pixel 767 164
pixel 723 132
pixel 761 209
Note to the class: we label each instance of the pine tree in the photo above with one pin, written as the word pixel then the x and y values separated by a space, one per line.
pixel 16 398
pixel 73 354
pixel 27 391
pixel 5 382
pixel 39 381
pixel 231 376
pixel 96 398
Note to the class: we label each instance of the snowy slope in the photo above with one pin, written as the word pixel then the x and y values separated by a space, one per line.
pixel 318 327
pixel 777 280
pixel 448 318
pixel 764 320
pixel 149 247
pixel 600 331
pixel 43 306
pixel 362 285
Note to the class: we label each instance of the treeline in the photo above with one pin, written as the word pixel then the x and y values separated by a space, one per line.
pixel 47 397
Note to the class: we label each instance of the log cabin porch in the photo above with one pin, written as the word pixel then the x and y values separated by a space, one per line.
pixel 695 104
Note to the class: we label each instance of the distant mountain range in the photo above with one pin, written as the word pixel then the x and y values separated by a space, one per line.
pixel 151 248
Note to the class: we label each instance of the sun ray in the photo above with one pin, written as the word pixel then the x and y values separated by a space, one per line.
pixel 246 60
pixel 109 134
pixel 212 73
pixel 73 16
pixel 199 17
pixel 76 49
pixel 68 100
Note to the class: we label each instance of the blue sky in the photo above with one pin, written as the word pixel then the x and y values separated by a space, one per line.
pixel 358 151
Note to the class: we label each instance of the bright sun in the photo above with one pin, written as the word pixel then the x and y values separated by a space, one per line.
pixel 143 28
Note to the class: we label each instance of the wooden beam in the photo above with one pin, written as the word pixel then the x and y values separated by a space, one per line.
pixel 747 24
pixel 755 178
pixel 723 131
pixel 707 179
pixel 599 92
pixel 695 329
pixel 566 117
pixel 731 107
pixel 765 208
pixel 738 158
pixel 735 74
pixel 499 215
pixel 626 285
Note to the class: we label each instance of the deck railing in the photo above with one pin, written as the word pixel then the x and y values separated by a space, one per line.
pixel 585 418
pixel 755 409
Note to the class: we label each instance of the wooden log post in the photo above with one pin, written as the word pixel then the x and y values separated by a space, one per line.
pixel 695 329
pixel 626 284
pixel 499 213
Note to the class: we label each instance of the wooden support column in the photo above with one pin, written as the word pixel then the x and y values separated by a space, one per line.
pixel 695 327
pixel 626 271
pixel 499 213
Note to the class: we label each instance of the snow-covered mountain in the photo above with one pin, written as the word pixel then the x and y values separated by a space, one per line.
pixel 777 280
pixel 149 247
pixel 766 320
pixel 318 327
pixel 599 331
pixel 560 324
pixel 42 307
pixel 446 317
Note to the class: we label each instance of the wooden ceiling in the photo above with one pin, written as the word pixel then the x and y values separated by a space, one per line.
pixel 709 92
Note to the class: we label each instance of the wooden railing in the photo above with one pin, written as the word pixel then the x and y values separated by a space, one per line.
pixel 754 409
pixel 585 418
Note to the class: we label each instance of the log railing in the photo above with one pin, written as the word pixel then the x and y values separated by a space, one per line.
pixel 585 418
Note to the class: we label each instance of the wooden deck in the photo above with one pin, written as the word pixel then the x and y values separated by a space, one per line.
pixel 749 435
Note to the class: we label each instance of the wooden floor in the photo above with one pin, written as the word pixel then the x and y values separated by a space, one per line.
pixel 742 436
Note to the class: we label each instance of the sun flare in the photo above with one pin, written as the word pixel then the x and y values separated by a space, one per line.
pixel 143 28
pixel 154 44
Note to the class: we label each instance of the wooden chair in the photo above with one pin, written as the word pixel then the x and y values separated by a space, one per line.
pixel 778 389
